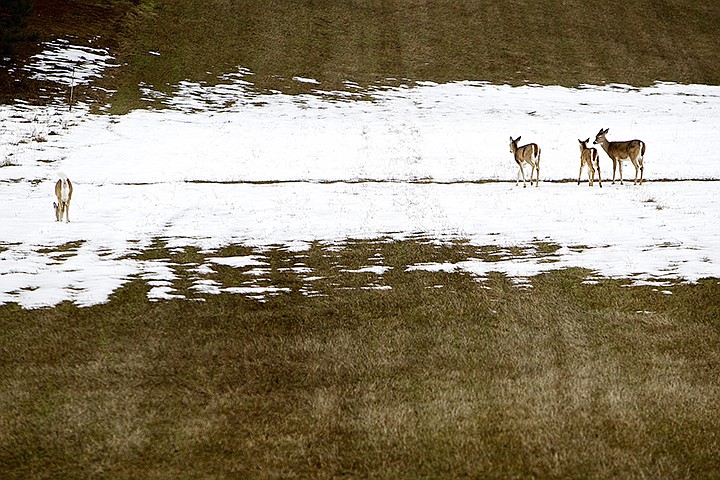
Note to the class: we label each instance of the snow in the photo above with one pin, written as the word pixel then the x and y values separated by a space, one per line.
pixel 225 165
pixel 64 63
pixel 238 262
pixel 376 269
pixel 306 80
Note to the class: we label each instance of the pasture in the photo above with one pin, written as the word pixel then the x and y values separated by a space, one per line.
pixel 297 250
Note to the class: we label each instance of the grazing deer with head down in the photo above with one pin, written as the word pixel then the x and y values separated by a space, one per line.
pixel 632 150
pixel 589 158
pixel 63 192
pixel 529 154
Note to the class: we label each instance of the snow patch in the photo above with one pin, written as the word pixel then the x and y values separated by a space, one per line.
pixel 238 167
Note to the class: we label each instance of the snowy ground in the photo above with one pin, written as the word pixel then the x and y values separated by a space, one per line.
pixel 228 165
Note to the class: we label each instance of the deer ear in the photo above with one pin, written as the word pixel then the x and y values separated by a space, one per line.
pixel 586 141
pixel 607 130
pixel 518 139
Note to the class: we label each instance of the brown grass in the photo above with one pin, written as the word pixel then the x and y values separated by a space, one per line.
pixel 85 22
pixel 563 380
pixel 368 41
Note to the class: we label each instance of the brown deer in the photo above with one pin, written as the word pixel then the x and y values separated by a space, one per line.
pixel 63 192
pixel 589 158
pixel 529 154
pixel 632 150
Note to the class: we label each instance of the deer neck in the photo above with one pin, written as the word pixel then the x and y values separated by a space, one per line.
pixel 605 144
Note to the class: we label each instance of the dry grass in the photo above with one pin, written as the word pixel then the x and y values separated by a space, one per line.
pixel 97 23
pixel 564 380
pixel 368 41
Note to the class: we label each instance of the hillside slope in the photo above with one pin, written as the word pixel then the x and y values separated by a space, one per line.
pixel 547 42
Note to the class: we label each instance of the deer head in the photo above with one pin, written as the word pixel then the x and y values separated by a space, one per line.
pixel 600 137
pixel 583 144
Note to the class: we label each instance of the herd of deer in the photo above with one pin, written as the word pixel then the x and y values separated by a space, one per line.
pixel 619 152
pixel 632 150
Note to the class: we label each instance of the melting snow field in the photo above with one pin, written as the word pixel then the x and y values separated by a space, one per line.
pixel 227 165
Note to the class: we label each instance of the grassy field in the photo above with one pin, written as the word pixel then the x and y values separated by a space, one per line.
pixel 368 41
pixel 439 376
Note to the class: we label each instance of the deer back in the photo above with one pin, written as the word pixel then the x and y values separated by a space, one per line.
pixel 66 195
pixel 527 152
pixel 630 149
pixel 589 155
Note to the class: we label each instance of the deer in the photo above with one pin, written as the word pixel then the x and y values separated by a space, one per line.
pixel 632 150
pixel 63 192
pixel 589 158
pixel 529 154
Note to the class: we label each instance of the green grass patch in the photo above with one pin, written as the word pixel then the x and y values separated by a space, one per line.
pixel 439 376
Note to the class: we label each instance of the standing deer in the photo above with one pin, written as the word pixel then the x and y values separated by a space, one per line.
pixel 63 192
pixel 632 150
pixel 529 154
pixel 589 158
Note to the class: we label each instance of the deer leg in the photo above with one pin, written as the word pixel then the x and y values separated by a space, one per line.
pixel 532 172
pixel 614 168
pixel 642 170
pixel 636 172
pixel 620 168
pixel 67 212
pixel 591 175
pixel 519 174
pixel 517 182
pixel 580 174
